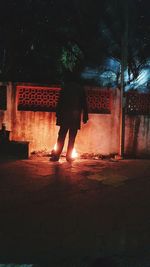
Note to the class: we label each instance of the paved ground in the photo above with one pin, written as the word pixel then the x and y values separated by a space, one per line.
pixel 84 214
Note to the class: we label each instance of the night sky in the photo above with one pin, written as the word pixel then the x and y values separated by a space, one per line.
pixel 35 35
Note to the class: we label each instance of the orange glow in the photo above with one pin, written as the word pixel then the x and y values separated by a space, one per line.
pixel 55 147
pixel 74 153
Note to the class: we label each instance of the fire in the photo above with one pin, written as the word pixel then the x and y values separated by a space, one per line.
pixel 74 153
pixel 55 147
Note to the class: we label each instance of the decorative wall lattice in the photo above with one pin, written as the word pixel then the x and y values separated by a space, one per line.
pixel 137 103
pixel 99 100
pixel 35 98
pixel 3 97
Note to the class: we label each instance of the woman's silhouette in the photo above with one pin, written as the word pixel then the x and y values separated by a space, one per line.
pixel 71 104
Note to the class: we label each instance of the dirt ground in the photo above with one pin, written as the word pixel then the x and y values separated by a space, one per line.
pixel 86 214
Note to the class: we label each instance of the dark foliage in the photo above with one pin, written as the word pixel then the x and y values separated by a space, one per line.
pixel 34 32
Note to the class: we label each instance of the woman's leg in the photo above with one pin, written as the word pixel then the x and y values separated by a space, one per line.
pixel 71 141
pixel 61 139
pixel 60 143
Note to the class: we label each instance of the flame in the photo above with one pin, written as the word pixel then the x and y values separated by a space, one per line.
pixel 74 153
pixel 55 147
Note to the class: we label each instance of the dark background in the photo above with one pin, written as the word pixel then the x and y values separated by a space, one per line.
pixel 35 33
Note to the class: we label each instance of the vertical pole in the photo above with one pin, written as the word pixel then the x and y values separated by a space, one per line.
pixel 122 108
pixel 121 143
pixel 124 50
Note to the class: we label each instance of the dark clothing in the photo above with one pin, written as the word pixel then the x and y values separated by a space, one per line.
pixel 71 103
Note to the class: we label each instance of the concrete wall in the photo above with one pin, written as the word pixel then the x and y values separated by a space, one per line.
pixel 137 136
pixel 99 135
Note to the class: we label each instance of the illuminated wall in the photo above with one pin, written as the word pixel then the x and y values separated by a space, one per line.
pixel 99 135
